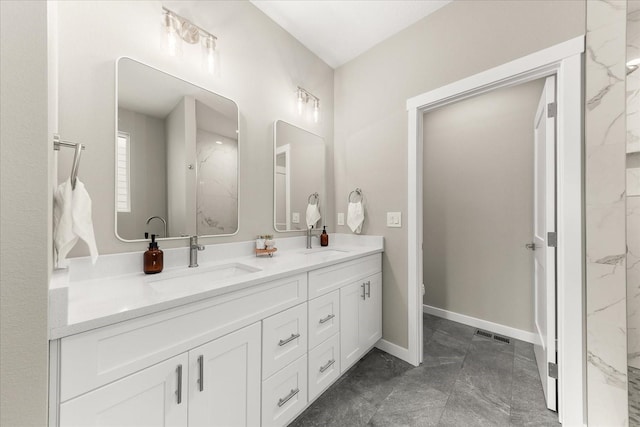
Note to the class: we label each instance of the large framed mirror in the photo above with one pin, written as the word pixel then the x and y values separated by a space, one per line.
pixel 299 178
pixel 176 156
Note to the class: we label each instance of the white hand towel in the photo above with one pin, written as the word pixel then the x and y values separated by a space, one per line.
pixel 313 215
pixel 355 216
pixel 72 220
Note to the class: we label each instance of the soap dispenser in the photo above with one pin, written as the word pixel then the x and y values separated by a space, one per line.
pixel 153 258
pixel 324 237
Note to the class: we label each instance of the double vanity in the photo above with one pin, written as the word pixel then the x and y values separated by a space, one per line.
pixel 237 341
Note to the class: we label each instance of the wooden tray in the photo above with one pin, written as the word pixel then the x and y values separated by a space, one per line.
pixel 261 252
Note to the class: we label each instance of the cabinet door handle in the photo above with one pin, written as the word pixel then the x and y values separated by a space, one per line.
pixel 326 319
pixel 290 396
pixel 327 366
pixel 369 288
pixel 364 295
pixel 288 340
pixel 179 391
pixel 201 372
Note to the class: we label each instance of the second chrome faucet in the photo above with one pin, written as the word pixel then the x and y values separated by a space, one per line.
pixel 194 247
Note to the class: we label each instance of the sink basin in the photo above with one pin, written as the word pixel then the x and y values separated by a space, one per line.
pixel 323 252
pixel 199 277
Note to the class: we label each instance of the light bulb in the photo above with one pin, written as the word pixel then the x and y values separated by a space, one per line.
pixel 171 38
pixel 300 102
pixel 316 110
pixel 209 53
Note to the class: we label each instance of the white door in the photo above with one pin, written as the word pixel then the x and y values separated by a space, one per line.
pixel 153 397
pixel 224 380
pixel 544 227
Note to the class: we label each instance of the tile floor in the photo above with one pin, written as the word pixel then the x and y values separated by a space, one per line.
pixel 465 380
pixel 634 397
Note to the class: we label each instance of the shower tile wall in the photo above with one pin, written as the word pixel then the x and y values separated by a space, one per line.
pixel 605 213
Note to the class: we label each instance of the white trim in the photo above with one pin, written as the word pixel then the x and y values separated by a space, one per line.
pixel 497 328
pixel 565 61
pixel 286 150
pixel 393 349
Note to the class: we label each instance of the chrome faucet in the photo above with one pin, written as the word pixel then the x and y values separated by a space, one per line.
pixel 194 247
pixel 161 219
pixel 310 234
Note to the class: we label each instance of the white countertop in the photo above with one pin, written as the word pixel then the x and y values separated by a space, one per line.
pixel 85 297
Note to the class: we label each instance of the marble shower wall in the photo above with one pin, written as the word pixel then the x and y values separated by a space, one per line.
pixel 605 213
pixel 633 188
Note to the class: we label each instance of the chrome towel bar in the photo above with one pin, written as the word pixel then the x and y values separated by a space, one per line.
pixel 57 143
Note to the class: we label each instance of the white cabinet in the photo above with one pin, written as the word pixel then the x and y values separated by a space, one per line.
pixel 155 396
pixel 360 318
pixel 324 366
pixel 224 380
pixel 284 394
pixel 284 339
pixel 324 317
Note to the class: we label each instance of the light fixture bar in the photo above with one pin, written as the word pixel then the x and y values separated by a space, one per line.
pixel 189 32
pixel 303 96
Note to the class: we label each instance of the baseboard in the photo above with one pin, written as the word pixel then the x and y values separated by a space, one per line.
pixel 497 328
pixel 393 349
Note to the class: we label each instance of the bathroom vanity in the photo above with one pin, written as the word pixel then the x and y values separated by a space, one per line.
pixel 238 341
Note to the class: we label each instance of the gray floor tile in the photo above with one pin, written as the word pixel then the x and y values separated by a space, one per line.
pixel 456 329
pixel 468 406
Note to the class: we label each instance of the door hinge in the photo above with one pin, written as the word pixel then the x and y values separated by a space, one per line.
pixel 552 110
pixel 552 239
pixel 553 370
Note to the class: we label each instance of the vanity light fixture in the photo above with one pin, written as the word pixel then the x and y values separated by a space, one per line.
pixel 303 97
pixel 176 29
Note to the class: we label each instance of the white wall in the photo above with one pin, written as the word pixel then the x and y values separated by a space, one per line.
pixel 459 40
pixel 25 213
pixel 261 66
pixel 478 206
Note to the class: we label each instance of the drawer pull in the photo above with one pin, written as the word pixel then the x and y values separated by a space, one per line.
pixel 326 319
pixel 290 396
pixel 288 340
pixel 369 288
pixel 201 372
pixel 364 295
pixel 327 366
pixel 179 391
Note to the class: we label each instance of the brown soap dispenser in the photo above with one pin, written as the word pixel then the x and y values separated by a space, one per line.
pixel 324 237
pixel 153 258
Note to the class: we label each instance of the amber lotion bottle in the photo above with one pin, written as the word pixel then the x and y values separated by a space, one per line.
pixel 153 259
pixel 324 237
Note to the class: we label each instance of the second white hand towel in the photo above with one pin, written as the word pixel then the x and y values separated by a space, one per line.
pixel 313 215
pixel 82 222
pixel 355 216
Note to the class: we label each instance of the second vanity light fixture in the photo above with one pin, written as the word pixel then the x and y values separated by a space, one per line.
pixel 303 97
pixel 176 29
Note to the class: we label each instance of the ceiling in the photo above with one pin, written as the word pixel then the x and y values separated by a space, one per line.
pixel 340 30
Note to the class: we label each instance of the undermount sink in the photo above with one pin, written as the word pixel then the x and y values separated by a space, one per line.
pixel 324 252
pixel 199 277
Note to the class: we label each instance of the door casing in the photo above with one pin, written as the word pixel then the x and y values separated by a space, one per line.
pixel 563 60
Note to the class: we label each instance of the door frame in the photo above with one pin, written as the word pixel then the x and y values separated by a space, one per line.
pixel 286 151
pixel 565 61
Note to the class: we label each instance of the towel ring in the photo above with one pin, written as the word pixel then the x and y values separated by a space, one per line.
pixel 357 193
pixel 315 197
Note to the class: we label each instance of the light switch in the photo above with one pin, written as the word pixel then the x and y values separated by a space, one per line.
pixel 341 218
pixel 295 217
pixel 394 219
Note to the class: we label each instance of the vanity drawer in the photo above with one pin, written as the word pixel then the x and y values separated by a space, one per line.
pixel 324 317
pixel 328 279
pixel 94 358
pixel 284 395
pixel 284 339
pixel 324 365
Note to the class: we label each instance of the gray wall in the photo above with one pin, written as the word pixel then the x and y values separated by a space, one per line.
pixel 459 40
pixel 261 65
pixel 25 212
pixel 148 174
pixel 478 206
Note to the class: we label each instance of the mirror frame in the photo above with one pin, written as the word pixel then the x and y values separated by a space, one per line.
pixel 115 141
pixel 323 211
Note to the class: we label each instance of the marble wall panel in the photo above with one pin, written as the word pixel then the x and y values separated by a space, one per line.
pixel 605 146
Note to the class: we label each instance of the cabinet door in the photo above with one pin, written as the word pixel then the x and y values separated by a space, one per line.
pixel 351 299
pixel 155 396
pixel 224 380
pixel 371 312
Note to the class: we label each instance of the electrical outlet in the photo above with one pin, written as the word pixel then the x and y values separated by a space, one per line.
pixel 394 219
pixel 295 217
pixel 341 218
